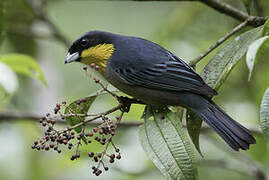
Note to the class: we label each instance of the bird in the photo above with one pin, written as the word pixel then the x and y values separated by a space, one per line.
pixel 150 73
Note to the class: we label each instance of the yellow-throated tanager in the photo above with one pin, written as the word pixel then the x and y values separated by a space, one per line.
pixel 154 75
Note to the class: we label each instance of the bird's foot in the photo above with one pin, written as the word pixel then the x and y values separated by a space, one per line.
pixel 125 103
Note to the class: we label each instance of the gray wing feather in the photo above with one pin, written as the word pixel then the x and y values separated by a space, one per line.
pixel 172 75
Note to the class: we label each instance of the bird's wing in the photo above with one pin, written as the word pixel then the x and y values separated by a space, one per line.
pixel 173 75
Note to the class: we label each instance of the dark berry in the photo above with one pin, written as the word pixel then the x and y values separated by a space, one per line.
pixel 53 121
pixel 92 65
pixel 52 145
pixel 90 134
pixel 91 154
pixel 85 68
pixel 112 156
pixel 101 131
pixel 95 130
pixel 96 80
pixel 118 156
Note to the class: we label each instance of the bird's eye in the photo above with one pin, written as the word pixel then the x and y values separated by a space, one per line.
pixel 84 42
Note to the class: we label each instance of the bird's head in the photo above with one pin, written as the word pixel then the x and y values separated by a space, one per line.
pixel 93 48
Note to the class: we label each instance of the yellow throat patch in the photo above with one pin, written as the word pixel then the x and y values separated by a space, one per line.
pixel 98 55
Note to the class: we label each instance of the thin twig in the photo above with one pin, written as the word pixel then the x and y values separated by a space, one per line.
pixel 97 117
pixel 219 42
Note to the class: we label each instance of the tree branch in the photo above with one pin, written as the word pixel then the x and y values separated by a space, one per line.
pixel 9 116
pixel 228 10
pixel 234 12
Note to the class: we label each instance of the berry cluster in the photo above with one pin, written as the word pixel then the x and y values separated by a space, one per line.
pixel 103 135
pixel 57 139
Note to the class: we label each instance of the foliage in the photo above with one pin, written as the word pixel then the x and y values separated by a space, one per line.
pixel 80 106
pixel 158 137
pixel 264 114
pixel 255 52
pixel 217 70
pixel 20 64
pixel 23 64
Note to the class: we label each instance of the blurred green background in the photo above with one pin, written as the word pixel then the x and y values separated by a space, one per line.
pixel 185 28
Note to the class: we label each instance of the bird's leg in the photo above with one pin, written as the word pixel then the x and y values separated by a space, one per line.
pixel 127 102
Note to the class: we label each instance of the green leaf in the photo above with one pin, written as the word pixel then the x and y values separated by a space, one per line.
pixel 23 64
pixel 8 79
pixel 194 124
pixel 166 144
pixel 8 83
pixel 265 31
pixel 247 4
pixel 80 106
pixel 219 67
pixel 264 114
pixel 255 52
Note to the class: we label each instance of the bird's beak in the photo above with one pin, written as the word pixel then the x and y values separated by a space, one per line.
pixel 71 57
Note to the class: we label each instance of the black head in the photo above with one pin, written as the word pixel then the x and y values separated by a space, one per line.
pixel 87 40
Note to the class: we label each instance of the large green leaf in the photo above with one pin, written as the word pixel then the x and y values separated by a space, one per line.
pixel 166 144
pixel 80 106
pixel 255 52
pixel 264 114
pixel 25 65
pixel 219 67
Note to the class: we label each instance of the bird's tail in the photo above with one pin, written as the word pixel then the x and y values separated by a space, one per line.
pixel 233 133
